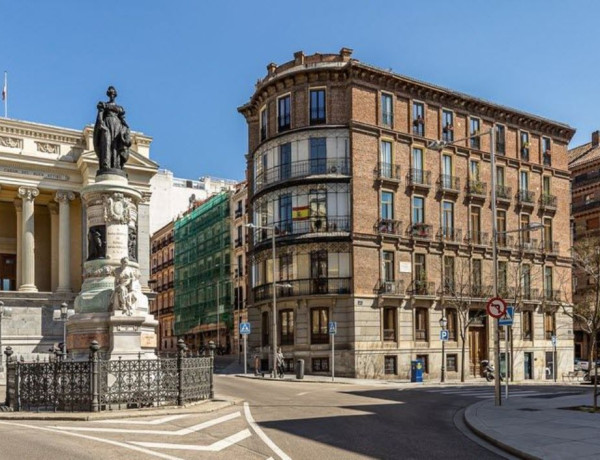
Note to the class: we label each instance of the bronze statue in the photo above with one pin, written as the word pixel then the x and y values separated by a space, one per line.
pixel 112 137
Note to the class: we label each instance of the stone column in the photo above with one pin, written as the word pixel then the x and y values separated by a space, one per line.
pixel 63 199
pixel 28 194
pixel 54 254
pixel 143 240
pixel 19 213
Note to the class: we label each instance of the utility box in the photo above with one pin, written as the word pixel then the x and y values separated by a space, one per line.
pixel 300 369
pixel 416 371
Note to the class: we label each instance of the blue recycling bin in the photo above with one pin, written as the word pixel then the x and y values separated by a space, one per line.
pixel 416 371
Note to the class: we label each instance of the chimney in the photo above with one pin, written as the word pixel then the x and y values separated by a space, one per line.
pixel 271 68
pixel 345 53
pixel 595 139
pixel 299 57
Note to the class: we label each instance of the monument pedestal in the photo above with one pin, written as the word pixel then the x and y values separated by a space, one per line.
pixel 111 307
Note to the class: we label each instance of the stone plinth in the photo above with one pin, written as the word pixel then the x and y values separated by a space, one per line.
pixel 111 307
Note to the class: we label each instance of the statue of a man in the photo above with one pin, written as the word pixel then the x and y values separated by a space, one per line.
pixel 112 137
pixel 124 297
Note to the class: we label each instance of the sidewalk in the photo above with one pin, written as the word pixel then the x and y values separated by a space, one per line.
pixel 538 426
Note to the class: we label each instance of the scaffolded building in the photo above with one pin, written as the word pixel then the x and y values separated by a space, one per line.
pixel 203 306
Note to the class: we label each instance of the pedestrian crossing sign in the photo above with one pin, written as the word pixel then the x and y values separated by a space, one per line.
pixel 507 319
pixel 244 328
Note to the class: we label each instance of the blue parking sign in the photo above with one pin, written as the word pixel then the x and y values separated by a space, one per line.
pixel 444 335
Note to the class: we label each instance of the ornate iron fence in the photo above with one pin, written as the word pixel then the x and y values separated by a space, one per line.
pixel 99 384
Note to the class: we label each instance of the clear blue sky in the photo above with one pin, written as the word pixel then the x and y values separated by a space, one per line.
pixel 183 67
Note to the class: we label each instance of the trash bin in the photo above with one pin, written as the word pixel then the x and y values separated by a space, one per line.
pixel 416 371
pixel 300 369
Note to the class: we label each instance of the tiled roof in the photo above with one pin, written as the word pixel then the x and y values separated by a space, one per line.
pixel 583 154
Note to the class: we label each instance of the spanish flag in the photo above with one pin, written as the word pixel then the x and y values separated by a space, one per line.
pixel 300 213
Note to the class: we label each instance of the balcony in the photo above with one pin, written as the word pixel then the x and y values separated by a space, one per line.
pixel 420 230
pixel 525 152
pixel 503 194
pixel 449 234
pixel 547 158
pixel 506 293
pixel 551 295
pixel 238 242
pixel 422 288
pixel 548 202
pixel 170 285
pixel 389 335
pixel 549 247
pixel 505 241
pixel 479 291
pixel 527 245
pixel 388 172
pixel 301 169
pixel 238 213
pixel 478 238
pixel 419 178
pixel 530 295
pixel 448 185
pixel 317 226
pixel 304 287
pixel 477 189
pixel 585 206
pixel 391 288
pixel 389 227
pixel 525 198
pixel 586 178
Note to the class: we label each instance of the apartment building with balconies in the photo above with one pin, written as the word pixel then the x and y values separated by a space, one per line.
pixel 376 231
pixel 239 239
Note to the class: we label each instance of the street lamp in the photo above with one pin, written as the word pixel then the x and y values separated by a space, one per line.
pixel 63 316
pixel 443 325
pixel 4 312
pixel 273 249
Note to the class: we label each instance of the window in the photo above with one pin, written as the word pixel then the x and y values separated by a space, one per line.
pixel 263 124
pixel 420 272
pixel 524 181
pixel 502 277
pixel 286 267
pixel 548 282
pixel 418 119
pixel 320 364
pixel 527 319
pixel 449 287
pixel 447 171
pixel 387 205
pixel 474 170
pixel 525 234
pixel 548 243
pixel 318 155
pixel 475 142
pixel 447 126
pixel 317 200
pixel 391 365
pixel 549 325
pixel 283 113
pixel 448 219
pixel 546 151
pixel 389 324
pixel 319 319
pixel 452 362
pixel 476 278
pixel 286 327
pixel 524 146
pixel 388 265
pixel 386 159
pixel 285 161
pixel 501 227
pixel 476 225
pixel 452 318
pixel 500 176
pixel 500 139
pixel 546 185
pixel 318 272
pixel 421 324
pixel 285 214
pixel 526 281
pixel 387 110
pixel 418 211
pixel 317 106
pixel 264 328
pixel 425 360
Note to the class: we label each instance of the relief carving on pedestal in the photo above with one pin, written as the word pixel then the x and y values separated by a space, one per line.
pixel 117 208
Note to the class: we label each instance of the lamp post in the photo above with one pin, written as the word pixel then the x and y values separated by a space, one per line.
pixel 443 325
pixel 273 250
pixel 4 312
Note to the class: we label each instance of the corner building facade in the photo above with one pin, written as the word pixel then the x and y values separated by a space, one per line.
pixel 382 235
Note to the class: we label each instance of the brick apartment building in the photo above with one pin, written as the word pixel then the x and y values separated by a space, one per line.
pixel 372 227
pixel 585 175
pixel 162 263
pixel 239 219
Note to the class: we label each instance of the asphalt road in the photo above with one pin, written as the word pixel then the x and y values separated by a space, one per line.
pixel 281 420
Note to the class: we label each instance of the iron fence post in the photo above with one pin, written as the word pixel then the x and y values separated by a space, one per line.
pixel 211 346
pixel 8 352
pixel 94 347
pixel 180 350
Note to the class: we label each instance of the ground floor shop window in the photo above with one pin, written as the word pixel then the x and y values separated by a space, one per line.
pixel 391 365
pixel 425 360
pixel 320 364
pixel 451 363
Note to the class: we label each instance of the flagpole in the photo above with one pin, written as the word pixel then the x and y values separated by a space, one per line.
pixel 5 94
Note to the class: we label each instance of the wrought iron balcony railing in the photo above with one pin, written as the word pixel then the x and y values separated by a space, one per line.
pixel 422 288
pixel 420 230
pixel 527 244
pixel 585 206
pixel 503 193
pixel 525 197
pixel 419 178
pixel 389 227
pixel 550 247
pixel 505 241
pixel 448 184
pixel 310 225
pixel 450 234
pixel 477 189
pixel 388 171
pixel 392 288
pixel 479 291
pixel 478 238
pixel 302 287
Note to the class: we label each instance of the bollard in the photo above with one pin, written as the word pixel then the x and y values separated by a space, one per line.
pixel 211 346
pixel 94 347
pixel 300 369
pixel 180 351
pixel 8 352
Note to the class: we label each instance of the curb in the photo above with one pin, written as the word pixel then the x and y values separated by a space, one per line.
pixel 202 407
pixel 469 412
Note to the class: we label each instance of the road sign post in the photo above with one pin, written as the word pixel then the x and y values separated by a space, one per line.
pixel 332 332
pixel 554 363
pixel 506 320
pixel 245 331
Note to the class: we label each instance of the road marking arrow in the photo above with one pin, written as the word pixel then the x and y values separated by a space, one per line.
pixel 182 432
pixel 214 447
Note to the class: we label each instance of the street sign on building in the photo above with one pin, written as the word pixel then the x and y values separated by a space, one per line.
pixel 245 328
pixel 444 335
pixel 332 327
pixel 507 319
pixel 496 307
pixel 554 341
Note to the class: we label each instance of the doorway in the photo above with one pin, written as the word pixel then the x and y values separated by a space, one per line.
pixel 528 362
pixel 477 342
pixel 8 272
pixel 549 369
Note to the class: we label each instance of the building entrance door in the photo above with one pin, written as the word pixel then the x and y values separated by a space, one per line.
pixel 477 343
pixel 528 371
pixel 549 370
pixel 8 272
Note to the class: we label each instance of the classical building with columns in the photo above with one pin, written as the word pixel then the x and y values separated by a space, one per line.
pixel 43 241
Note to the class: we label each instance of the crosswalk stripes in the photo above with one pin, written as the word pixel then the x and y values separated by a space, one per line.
pixel 481 392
